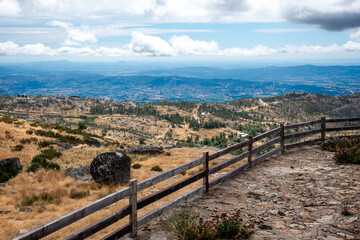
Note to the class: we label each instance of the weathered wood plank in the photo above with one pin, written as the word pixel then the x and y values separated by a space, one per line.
pixel 168 174
pixel 133 206
pixel 267 144
pixel 99 225
pixel 352 119
pixel 118 233
pixel 302 134
pixel 323 128
pixel 292 126
pixel 282 138
pixel 169 190
pixel 230 174
pixel 229 162
pixel 80 213
pixel 228 149
pixel 159 211
pixel 266 134
pixel 206 171
pixel 345 128
pixel 300 144
pixel 266 155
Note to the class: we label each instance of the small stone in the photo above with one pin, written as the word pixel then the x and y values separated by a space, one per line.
pixel 274 212
pixel 264 226
pixel 279 224
pixel 297 226
pixel 22 231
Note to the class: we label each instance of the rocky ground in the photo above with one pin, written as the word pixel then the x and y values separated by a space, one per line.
pixel 298 195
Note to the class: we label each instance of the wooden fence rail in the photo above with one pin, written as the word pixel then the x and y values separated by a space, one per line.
pixel 254 154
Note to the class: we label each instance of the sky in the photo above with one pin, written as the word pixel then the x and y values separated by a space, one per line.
pixel 320 31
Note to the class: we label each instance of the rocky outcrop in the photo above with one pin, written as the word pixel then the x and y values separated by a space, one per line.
pixel 9 167
pixel 143 149
pixel 77 173
pixel 111 167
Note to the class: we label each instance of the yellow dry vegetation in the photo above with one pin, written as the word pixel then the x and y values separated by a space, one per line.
pixel 35 199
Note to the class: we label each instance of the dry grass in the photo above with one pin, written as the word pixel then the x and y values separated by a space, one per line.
pixel 35 199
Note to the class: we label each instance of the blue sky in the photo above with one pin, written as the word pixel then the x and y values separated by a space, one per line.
pixel 169 30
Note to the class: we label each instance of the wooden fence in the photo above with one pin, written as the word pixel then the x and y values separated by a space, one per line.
pixel 276 143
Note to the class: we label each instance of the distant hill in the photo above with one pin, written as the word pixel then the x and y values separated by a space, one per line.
pixel 124 80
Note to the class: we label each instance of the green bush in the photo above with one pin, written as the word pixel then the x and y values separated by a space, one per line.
pixel 6 174
pixel 168 154
pixel 186 225
pixel 157 169
pixel 29 132
pixel 44 144
pixel 40 161
pixel 136 166
pixel 17 148
pixel 347 150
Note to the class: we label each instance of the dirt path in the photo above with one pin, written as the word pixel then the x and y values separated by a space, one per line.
pixel 298 195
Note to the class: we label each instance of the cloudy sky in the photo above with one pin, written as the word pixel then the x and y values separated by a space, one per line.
pixel 180 29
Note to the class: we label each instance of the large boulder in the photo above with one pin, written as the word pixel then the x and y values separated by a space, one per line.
pixel 144 149
pixel 111 167
pixel 8 168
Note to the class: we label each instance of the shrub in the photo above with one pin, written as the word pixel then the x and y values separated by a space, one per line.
pixel 136 166
pixel 346 212
pixel 17 148
pixel 156 168
pixel 6 174
pixel 39 161
pixel 7 119
pixel 347 150
pixel 81 126
pixel 168 154
pixel 25 141
pixel 141 141
pixel 29 132
pixel 186 225
pixel 44 144
pixel 347 155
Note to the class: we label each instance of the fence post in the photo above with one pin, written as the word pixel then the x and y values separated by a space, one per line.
pixel 282 138
pixel 323 130
pixel 251 138
pixel 206 170
pixel 133 205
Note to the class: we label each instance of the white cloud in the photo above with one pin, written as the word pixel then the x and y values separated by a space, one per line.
pixel 76 36
pixel 10 48
pixel 9 8
pixel 256 51
pixel 282 30
pixel 356 35
pixel 187 46
pixel 149 45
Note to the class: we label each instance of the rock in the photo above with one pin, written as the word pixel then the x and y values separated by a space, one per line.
pixel 143 149
pixel 94 143
pixel 22 231
pixel 11 166
pixel 5 212
pixel 77 173
pixel 111 167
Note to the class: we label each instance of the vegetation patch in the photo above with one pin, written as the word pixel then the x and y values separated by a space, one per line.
pixel 347 150
pixel 6 174
pixel 136 166
pixel 156 169
pixel 186 224
pixel 40 161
